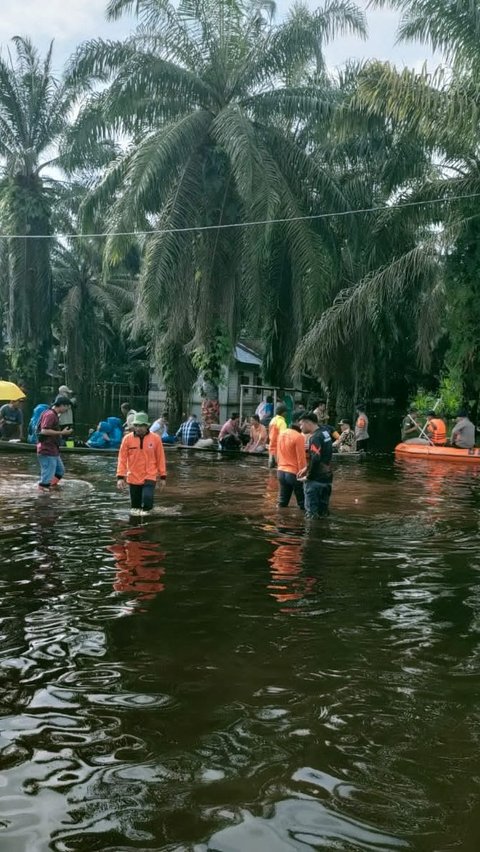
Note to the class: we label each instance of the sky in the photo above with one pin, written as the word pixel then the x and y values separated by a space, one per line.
pixel 69 22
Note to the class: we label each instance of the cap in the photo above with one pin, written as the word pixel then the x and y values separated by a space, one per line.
pixel 344 420
pixel 141 419
pixel 462 413
pixel 431 413
pixel 64 390
pixel 61 400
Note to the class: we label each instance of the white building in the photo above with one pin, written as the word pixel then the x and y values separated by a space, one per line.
pixel 245 369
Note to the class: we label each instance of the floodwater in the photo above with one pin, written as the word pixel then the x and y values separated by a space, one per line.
pixel 225 678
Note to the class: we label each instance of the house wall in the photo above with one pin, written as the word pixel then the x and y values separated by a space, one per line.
pixel 229 393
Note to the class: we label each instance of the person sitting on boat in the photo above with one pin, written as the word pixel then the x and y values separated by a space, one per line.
pixel 436 429
pixel 128 413
pixel 116 432
pixel 189 432
pixel 463 433
pixel 11 420
pixel 410 427
pixel 32 437
pixel 229 437
pixel 160 426
pixel 345 443
pixel 258 436
pixel 100 439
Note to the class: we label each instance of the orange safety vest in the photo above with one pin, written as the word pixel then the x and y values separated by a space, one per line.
pixel 438 431
pixel 141 459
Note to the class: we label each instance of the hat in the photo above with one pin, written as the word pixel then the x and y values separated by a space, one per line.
pixel 345 420
pixel 431 413
pixel 61 400
pixel 64 390
pixel 462 412
pixel 141 419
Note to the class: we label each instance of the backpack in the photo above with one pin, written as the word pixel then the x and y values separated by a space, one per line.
pixel 34 425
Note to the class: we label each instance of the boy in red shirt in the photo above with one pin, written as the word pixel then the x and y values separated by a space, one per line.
pixel 141 464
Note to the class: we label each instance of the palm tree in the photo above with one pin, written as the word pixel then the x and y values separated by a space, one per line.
pixel 91 308
pixel 207 93
pixel 34 110
pixel 377 284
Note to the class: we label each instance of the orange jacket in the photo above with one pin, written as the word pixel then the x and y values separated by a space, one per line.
pixel 141 459
pixel 277 424
pixel 291 455
pixel 437 431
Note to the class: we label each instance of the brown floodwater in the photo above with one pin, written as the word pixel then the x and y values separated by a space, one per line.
pixel 228 678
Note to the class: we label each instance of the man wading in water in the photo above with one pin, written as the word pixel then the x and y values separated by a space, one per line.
pixel 141 464
pixel 50 433
pixel 317 475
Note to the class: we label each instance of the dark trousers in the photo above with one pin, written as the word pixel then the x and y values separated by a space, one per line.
pixel 288 484
pixel 141 496
pixel 230 442
pixel 317 497
pixel 362 445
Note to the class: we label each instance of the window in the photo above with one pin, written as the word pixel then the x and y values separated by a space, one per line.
pixel 245 380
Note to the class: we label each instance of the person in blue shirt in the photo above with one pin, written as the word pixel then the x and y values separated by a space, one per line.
pixel 190 431
pixel 11 420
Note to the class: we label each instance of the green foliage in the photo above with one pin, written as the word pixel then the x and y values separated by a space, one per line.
pixel 210 360
pixel 446 402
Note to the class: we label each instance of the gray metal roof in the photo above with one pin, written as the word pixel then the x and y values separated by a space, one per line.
pixel 246 356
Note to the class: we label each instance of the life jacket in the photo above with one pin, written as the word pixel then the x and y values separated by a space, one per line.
pixel 32 436
pixel 437 431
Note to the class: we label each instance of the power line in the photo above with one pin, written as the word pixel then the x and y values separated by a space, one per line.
pixel 256 223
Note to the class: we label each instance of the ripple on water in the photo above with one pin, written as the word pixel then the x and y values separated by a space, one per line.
pixel 213 713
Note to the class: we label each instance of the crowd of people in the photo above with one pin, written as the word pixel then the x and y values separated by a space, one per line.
pixel 300 444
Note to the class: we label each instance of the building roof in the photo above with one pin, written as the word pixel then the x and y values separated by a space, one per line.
pixel 247 356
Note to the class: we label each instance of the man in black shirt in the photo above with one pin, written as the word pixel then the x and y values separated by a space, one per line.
pixel 317 476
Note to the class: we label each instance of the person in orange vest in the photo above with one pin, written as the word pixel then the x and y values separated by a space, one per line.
pixel 277 425
pixel 291 459
pixel 141 464
pixel 436 429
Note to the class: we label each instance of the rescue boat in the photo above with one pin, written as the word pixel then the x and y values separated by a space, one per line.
pixel 428 451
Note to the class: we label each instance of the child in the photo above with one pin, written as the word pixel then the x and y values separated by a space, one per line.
pixel 141 463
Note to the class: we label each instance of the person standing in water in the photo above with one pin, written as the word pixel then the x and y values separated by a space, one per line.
pixel 361 427
pixel 277 425
pixel 141 465
pixel 50 434
pixel 291 459
pixel 317 475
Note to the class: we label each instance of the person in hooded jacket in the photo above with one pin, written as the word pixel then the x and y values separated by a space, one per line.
pixel 100 439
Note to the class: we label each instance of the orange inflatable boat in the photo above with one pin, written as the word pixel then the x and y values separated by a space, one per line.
pixel 427 451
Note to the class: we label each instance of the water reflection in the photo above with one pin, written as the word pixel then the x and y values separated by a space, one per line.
pixel 211 721
pixel 139 568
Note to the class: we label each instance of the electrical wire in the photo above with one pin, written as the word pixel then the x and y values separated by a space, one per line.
pixel 253 224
